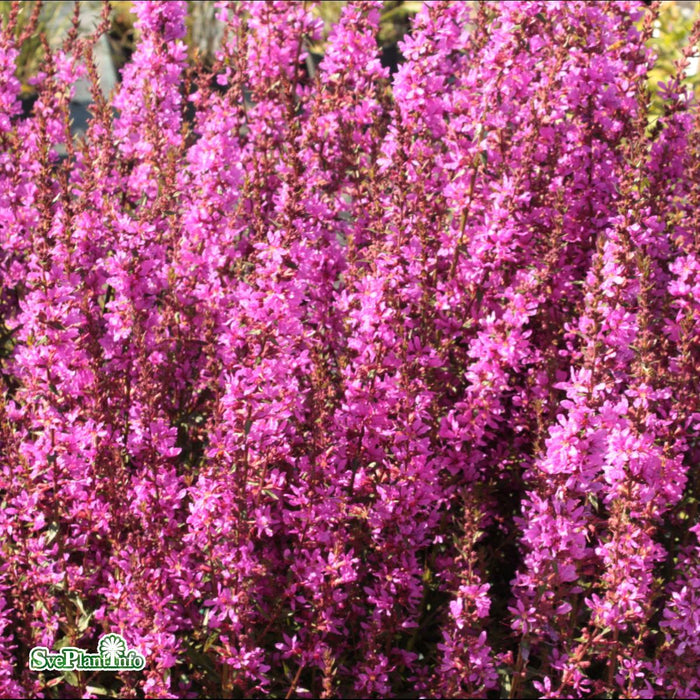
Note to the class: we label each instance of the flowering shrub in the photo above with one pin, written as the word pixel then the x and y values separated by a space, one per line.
pixel 359 386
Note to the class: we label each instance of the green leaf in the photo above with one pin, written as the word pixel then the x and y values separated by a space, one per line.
pixel 71 677
pixel 51 532
pixel 84 622
pixel 211 640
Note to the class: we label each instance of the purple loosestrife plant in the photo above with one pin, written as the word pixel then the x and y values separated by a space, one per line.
pixel 344 385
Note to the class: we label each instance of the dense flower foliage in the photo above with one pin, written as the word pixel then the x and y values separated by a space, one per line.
pixel 355 385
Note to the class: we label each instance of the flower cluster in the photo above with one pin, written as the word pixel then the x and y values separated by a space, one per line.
pixel 343 384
